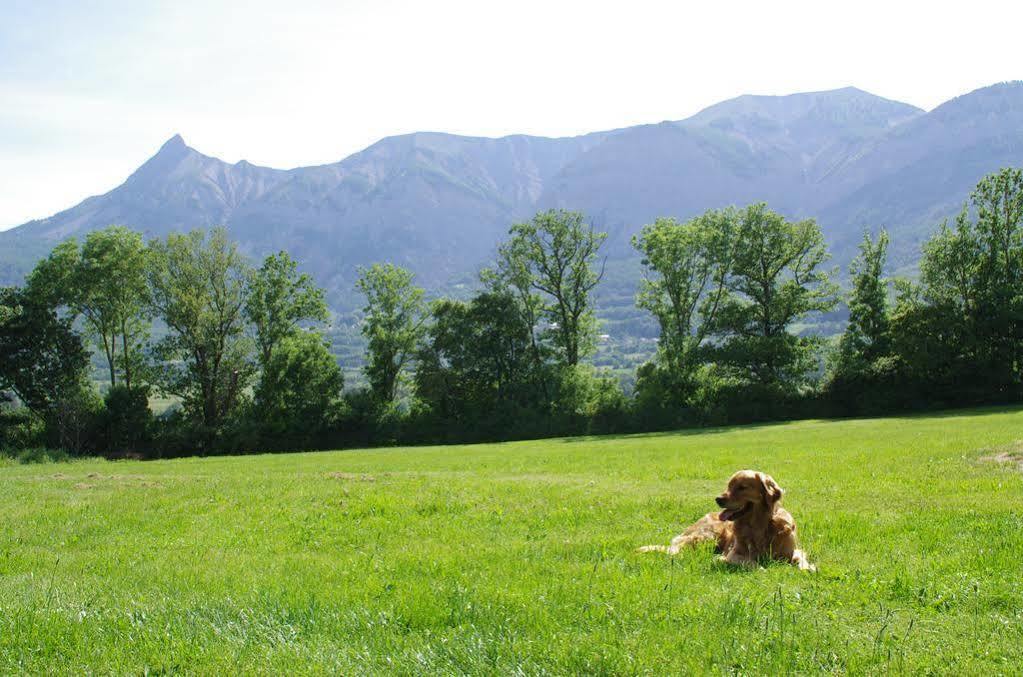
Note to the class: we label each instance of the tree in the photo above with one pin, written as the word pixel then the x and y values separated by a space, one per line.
pixel 774 279
pixel 395 314
pixel 104 282
pixel 868 335
pixel 968 307
pixel 512 279
pixel 126 420
pixel 553 254
pixel 864 374
pixel 279 299
pixel 199 284
pixel 42 359
pixel 686 270
pixel 299 393
pixel 477 359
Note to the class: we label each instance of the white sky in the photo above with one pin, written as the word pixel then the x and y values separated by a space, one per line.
pixel 89 90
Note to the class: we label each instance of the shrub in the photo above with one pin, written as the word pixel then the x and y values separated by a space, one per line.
pixel 125 423
pixel 40 455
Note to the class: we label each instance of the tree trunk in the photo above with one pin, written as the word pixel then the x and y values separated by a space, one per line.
pixel 126 357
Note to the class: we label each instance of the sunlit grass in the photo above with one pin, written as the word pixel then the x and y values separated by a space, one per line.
pixel 519 556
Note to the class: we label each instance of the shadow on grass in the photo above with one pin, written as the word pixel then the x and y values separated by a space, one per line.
pixel 972 412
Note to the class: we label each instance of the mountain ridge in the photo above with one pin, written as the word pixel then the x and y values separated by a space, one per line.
pixel 438 202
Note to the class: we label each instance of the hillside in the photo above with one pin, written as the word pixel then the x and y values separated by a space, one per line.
pixel 921 172
pixel 438 203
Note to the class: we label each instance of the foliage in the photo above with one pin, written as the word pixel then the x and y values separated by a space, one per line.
pixel 42 359
pixel 477 361
pixel 863 370
pixel 279 299
pixel 553 254
pixel 19 428
pixel 867 337
pixel 199 284
pixel 731 292
pixel 299 393
pixel 126 422
pixel 104 282
pixel 590 396
pixel 972 275
pixel 686 267
pixel 774 279
pixel 32 455
pixel 395 316
pixel 72 423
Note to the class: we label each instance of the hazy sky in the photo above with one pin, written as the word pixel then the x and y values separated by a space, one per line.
pixel 90 89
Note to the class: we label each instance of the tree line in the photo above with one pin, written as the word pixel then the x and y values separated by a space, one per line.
pixel 242 350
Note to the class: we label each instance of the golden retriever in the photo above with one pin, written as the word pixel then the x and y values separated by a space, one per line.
pixel 751 525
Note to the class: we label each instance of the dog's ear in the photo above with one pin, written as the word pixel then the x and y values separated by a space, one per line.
pixel 772 492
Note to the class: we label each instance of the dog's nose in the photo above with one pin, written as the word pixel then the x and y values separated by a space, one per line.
pixel 720 501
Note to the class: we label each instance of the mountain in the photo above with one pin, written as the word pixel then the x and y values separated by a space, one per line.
pixel 921 172
pixel 175 189
pixel 434 202
pixel 438 203
pixel 777 149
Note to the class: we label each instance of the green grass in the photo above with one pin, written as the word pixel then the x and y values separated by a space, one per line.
pixel 519 557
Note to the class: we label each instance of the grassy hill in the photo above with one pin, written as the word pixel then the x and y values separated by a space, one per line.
pixel 519 557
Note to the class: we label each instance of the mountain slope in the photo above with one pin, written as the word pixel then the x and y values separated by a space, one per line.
pixel 178 188
pixel 438 203
pixel 777 149
pixel 923 171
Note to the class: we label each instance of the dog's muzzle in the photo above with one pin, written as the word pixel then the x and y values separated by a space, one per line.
pixel 732 514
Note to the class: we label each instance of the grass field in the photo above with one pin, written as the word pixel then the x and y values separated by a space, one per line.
pixel 519 557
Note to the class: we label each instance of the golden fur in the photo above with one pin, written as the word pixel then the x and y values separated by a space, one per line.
pixel 751 525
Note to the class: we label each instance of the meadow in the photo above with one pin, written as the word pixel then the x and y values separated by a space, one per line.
pixel 519 557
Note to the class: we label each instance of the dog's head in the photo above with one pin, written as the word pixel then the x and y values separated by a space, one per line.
pixel 747 491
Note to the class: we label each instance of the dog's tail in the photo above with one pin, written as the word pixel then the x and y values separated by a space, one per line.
pixel 653 548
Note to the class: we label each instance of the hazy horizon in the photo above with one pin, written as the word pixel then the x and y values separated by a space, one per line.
pixel 92 93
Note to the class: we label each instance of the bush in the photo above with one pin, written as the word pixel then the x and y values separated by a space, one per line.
pixel 20 429
pixel 38 455
pixel 299 394
pixel 125 423
pixel 72 423
pixel 589 400
pixel 662 401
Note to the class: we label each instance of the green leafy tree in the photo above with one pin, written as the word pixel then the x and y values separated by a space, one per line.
pixel 199 284
pixel 963 324
pixel 126 420
pixel 867 337
pixel 279 299
pixel 395 316
pixel 477 359
pixel 512 279
pixel 864 374
pixel 42 359
pixel 686 271
pixel 103 282
pixel 299 394
pixel 774 279
pixel 553 255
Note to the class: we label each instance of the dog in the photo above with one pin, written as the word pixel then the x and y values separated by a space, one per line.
pixel 750 526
